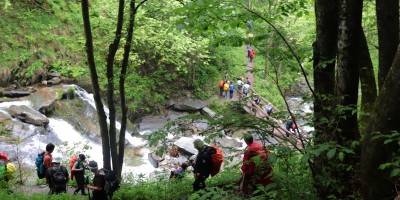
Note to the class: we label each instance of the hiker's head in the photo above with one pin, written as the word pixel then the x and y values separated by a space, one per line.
pixel 3 157
pixel 198 144
pixel 56 159
pixel 92 165
pixel 82 157
pixel 184 166
pixel 248 138
pixel 50 147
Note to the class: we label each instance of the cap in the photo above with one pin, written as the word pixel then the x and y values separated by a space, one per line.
pixel 56 159
pixel 82 157
pixel 3 156
pixel 92 165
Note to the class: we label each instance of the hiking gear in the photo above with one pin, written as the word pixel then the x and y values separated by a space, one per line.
pixel 226 87
pixel 252 53
pixel 92 165
pixel 40 169
pixel 111 182
pixel 59 179
pixel 231 87
pixel 3 156
pixel 217 159
pixel 7 171
pixel 72 161
pixel 221 83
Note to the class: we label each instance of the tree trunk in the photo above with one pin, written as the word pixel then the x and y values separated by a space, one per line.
pixel 347 92
pixel 387 14
pixel 377 184
pixel 96 88
pixel 324 57
pixel 124 66
pixel 367 82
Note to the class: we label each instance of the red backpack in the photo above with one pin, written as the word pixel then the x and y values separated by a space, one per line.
pixel 217 159
pixel 72 161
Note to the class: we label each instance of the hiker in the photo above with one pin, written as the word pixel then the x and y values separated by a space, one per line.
pixel 247 81
pixel 268 108
pixel 246 89
pixel 239 84
pixel 252 53
pixel 257 99
pixel 221 87
pixel 290 125
pixel 78 171
pixel 248 47
pixel 98 192
pixel 47 158
pixel 255 168
pixel 226 89
pixel 231 88
pixel 57 176
pixel 203 164
pixel 7 171
pixel 180 172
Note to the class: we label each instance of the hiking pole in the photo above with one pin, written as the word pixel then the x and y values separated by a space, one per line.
pixel 87 183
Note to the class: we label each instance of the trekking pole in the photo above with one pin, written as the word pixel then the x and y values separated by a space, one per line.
pixel 87 183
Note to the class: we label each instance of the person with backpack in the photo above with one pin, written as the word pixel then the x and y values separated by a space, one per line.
pixel 78 171
pixel 221 87
pixel 231 88
pixel 269 108
pixel 239 84
pixel 255 168
pixel 44 161
pixel 57 176
pixel 98 192
pixel 252 53
pixel 246 89
pixel 180 172
pixel 7 171
pixel 226 89
pixel 203 165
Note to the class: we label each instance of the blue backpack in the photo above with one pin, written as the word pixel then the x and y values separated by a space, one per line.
pixel 40 169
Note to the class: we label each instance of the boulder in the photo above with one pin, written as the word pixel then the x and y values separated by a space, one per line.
pixel 4 117
pixel 185 145
pixel 16 93
pixel 228 143
pixel 28 115
pixel 207 111
pixel 154 159
pixel 54 81
pixel 187 104
pixel 43 99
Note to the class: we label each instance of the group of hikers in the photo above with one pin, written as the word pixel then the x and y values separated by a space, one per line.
pixel 49 166
pixel 255 169
pixel 227 88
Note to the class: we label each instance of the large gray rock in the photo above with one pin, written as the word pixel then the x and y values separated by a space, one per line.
pixel 16 93
pixel 28 115
pixel 185 144
pixel 228 143
pixel 207 111
pixel 186 104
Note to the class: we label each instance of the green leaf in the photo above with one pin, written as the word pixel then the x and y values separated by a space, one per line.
pixel 395 173
pixel 341 156
pixel 305 158
pixel 331 153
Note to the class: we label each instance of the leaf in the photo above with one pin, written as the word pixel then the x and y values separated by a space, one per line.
pixel 341 156
pixel 395 172
pixel 331 153
pixel 305 158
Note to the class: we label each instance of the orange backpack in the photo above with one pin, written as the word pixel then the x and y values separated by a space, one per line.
pixel 221 83
pixel 217 159
pixel 72 161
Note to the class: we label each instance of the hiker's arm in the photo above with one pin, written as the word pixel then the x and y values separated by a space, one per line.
pixel 47 161
pixel 75 169
pixel 93 187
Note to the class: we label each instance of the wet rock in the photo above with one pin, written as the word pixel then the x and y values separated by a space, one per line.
pixel 44 100
pixel 54 81
pixel 53 75
pixel 28 115
pixel 154 159
pixel 16 93
pixel 228 143
pixel 4 117
pixel 187 104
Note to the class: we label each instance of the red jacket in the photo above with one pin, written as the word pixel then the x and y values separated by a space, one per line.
pixel 262 169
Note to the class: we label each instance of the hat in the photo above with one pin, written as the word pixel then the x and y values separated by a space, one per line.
pixel 92 165
pixel 3 156
pixel 56 159
pixel 82 157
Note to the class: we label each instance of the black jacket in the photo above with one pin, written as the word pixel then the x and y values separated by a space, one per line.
pixel 204 164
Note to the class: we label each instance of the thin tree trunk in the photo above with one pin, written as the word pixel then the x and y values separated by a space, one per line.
pixel 387 14
pixel 367 82
pixel 376 183
pixel 96 88
pixel 124 66
pixel 112 50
